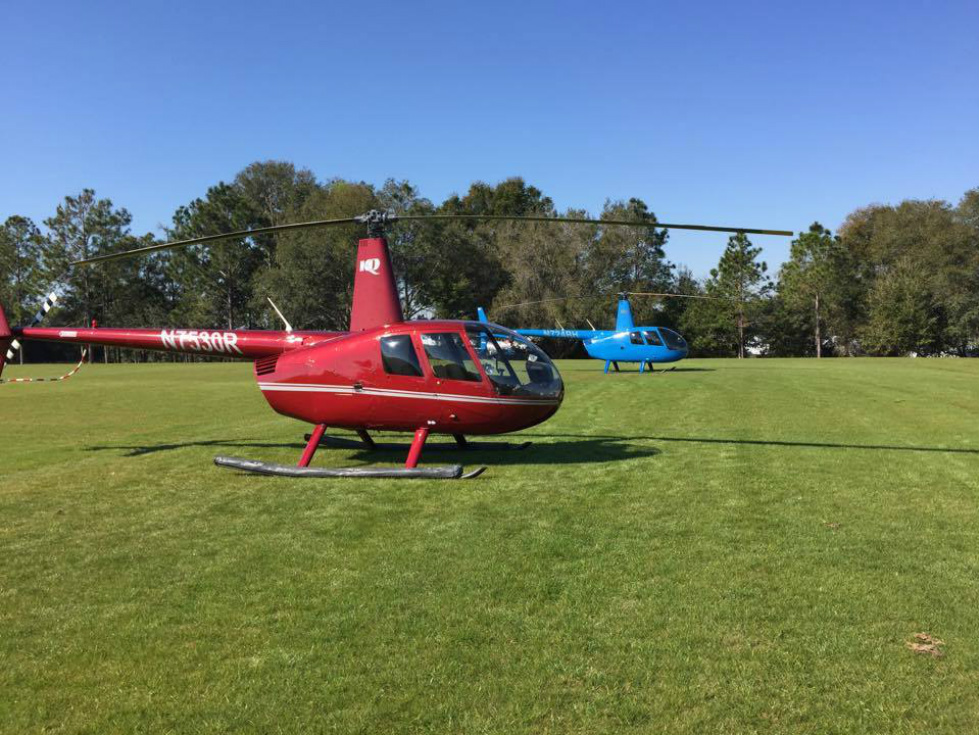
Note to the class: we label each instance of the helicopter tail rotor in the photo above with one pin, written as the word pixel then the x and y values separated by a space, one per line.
pixel 6 340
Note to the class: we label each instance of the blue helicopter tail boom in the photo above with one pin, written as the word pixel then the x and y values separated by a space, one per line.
pixel 584 334
pixel 566 333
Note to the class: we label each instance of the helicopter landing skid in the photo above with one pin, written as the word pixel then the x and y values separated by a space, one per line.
pixel 446 472
pixel 339 442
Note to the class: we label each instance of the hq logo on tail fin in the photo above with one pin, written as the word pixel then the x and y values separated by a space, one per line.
pixel 375 298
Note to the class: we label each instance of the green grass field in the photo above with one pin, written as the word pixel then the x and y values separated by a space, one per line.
pixel 732 547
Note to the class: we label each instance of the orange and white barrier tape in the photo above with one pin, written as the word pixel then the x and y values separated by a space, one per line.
pixel 49 380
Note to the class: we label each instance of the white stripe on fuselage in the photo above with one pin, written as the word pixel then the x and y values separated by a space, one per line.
pixel 390 393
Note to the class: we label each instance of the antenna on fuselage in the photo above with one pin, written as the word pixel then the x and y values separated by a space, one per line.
pixel 284 320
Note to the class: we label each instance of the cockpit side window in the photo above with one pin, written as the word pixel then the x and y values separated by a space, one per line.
pixel 449 358
pixel 635 338
pixel 399 357
pixel 652 338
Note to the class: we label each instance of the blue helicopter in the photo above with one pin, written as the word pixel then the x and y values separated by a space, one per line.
pixel 626 343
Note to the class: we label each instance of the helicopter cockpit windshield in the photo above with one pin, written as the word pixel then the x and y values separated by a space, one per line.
pixel 513 364
pixel 673 340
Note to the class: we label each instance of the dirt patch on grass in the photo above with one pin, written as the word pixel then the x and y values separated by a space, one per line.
pixel 926 645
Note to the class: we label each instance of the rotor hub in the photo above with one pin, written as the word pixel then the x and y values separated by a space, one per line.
pixel 375 221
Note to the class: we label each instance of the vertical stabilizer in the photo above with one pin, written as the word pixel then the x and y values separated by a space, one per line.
pixel 482 315
pixel 623 317
pixel 6 337
pixel 375 301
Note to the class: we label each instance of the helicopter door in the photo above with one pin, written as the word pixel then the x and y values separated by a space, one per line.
pixel 450 360
pixel 454 370
pixel 398 376
pixel 653 338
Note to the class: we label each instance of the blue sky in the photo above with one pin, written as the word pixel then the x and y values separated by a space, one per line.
pixel 750 114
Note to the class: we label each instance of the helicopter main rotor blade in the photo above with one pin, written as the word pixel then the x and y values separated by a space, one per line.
pixel 680 296
pixel 607 295
pixel 375 220
pixel 215 238
pixel 501 307
pixel 588 221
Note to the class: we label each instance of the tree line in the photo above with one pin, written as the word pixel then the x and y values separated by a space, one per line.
pixel 893 280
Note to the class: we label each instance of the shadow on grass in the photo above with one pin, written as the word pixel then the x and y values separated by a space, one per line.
pixel 138 450
pixel 581 450
pixel 771 443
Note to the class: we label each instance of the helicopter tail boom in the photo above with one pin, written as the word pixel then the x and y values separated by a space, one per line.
pixel 561 333
pixel 240 344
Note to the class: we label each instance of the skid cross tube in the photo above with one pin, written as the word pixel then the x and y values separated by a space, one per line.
pixel 317 437
pixel 339 442
pixel 365 438
pixel 415 453
pixel 311 445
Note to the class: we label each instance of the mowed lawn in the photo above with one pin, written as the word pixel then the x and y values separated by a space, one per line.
pixel 731 547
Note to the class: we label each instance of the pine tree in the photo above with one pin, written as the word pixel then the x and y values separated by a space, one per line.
pixel 740 278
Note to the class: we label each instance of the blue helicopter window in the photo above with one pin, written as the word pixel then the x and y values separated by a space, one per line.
pixel 514 365
pixel 449 358
pixel 673 340
pixel 635 338
pixel 652 338
pixel 399 356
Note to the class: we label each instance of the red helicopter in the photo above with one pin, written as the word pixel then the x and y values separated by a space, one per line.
pixel 447 377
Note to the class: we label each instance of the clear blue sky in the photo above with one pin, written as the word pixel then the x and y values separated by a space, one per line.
pixel 752 114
